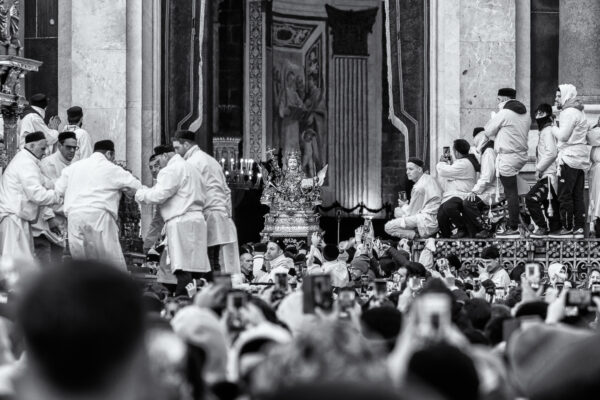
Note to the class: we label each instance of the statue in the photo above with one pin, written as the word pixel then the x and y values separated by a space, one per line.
pixel 291 197
pixel 13 27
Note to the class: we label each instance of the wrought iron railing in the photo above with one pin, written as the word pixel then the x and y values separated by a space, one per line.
pixel 579 256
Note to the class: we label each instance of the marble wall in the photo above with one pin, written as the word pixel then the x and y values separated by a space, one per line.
pixel 487 58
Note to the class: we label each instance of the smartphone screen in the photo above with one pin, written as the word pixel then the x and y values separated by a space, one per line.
pixel 317 292
pixel 434 313
pixel 222 280
pixel 578 298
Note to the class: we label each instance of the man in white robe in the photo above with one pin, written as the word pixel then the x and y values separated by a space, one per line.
pixel 22 193
pixel 509 129
pixel 32 120
pixel 419 216
pixel 223 249
pixel 48 230
pixel 84 143
pixel 92 189
pixel 179 195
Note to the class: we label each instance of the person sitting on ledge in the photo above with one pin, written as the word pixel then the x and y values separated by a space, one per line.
pixel 419 216
pixel 484 191
pixel 456 178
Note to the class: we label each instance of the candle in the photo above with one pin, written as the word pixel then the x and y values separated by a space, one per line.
pixel 251 164
pixel 241 163
pixel 232 163
pixel 222 163
pixel 226 173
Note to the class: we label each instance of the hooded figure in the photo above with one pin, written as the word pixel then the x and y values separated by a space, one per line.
pixel 200 327
pixel 573 160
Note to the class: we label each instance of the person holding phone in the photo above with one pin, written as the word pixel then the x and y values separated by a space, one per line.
pixel 456 179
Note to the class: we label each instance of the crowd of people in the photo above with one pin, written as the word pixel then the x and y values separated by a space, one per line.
pixel 361 320
pixel 478 190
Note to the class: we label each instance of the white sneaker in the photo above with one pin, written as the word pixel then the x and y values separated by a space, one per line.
pixel 579 233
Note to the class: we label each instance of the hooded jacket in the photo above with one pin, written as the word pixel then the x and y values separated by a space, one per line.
pixel 509 128
pixel 571 134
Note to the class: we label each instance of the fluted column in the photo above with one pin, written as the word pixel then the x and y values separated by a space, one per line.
pixel 351 174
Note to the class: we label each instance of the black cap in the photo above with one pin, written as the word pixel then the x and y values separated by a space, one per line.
pixel 39 100
pixel 163 149
pixel 478 130
pixel 186 135
pixel 490 253
pixel 416 161
pixel 508 92
pixel 34 137
pixel 74 114
pixel 66 135
pixel 104 145
pixel 331 252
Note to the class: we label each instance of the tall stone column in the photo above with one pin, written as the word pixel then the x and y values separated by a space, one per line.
pixel 351 171
pixel 579 48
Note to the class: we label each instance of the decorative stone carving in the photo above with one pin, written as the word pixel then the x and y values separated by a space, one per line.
pixel 256 53
pixel 10 16
pixel 12 101
pixel 291 34
pixel 350 30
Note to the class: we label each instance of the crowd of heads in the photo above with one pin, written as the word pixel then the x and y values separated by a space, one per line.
pixel 397 325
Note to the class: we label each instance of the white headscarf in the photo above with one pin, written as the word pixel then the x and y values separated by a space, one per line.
pixel 567 92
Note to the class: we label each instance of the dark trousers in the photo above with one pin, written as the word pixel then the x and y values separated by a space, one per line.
pixel 185 277
pixel 537 204
pixel 449 215
pixel 511 193
pixel 472 215
pixel 213 257
pixel 570 196
pixel 47 252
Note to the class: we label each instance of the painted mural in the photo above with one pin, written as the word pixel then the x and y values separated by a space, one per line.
pixel 299 90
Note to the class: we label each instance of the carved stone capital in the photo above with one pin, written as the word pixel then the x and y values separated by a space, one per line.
pixel 350 30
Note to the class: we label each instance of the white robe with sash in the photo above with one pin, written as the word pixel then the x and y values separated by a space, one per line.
pixel 180 198
pixel 92 190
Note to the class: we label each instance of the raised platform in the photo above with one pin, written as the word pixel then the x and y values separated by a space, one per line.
pixel 579 256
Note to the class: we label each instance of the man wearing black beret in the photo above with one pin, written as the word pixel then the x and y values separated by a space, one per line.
pixel 32 120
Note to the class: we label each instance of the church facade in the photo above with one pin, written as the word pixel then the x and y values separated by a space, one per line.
pixel 359 85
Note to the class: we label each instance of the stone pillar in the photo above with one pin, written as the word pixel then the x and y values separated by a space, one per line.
pixel 255 70
pixel 579 47
pixel 351 172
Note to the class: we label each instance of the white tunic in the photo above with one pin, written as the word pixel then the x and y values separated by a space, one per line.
pixel 33 122
pixel 51 166
pixel 217 208
pixel 456 179
pixel 83 142
pixel 179 193
pixel 92 190
pixel 21 194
